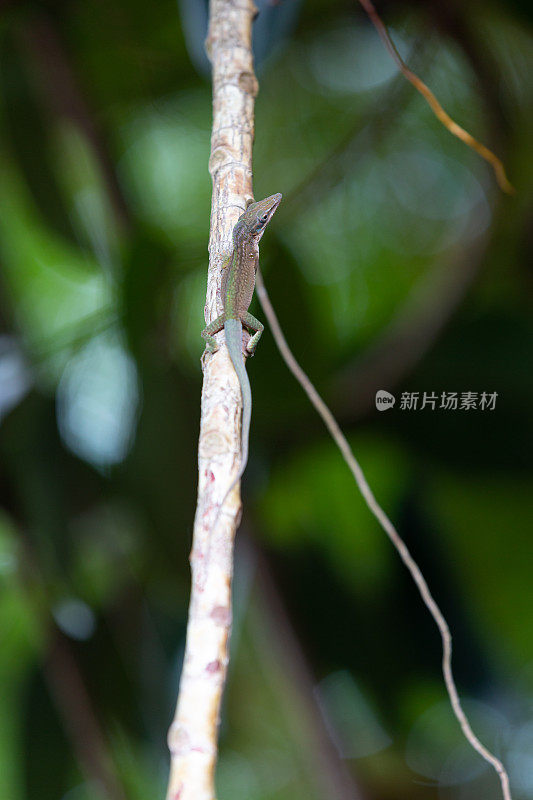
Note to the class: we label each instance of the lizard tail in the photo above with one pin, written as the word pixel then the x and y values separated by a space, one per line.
pixel 233 334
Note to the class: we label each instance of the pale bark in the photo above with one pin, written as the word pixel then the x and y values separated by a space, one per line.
pixel 192 736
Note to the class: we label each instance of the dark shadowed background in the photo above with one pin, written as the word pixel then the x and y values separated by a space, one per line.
pixel 395 263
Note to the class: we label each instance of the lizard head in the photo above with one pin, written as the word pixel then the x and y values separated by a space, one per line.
pixel 256 217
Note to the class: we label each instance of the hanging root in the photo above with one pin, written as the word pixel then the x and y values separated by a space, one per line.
pixel 434 104
pixel 342 443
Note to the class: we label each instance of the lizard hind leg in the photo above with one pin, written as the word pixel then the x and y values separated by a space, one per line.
pixel 209 332
pixel 257 327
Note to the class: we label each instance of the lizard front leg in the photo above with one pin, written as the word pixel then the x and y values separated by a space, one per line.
pixel 209 331
pixel 254 325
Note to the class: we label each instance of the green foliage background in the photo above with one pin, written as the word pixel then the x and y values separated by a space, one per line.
pixel 394 263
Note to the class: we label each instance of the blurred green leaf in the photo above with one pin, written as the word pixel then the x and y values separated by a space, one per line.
pixel 313 499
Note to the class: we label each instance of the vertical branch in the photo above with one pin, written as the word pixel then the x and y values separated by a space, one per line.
pixel 192 736
pixel 326 768
pixel 81 724
pixel 66 684
pixel 61 94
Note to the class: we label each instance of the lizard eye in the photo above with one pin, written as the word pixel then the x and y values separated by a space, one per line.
pixel 264 219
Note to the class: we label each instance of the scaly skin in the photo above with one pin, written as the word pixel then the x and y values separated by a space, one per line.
pixel 237 288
